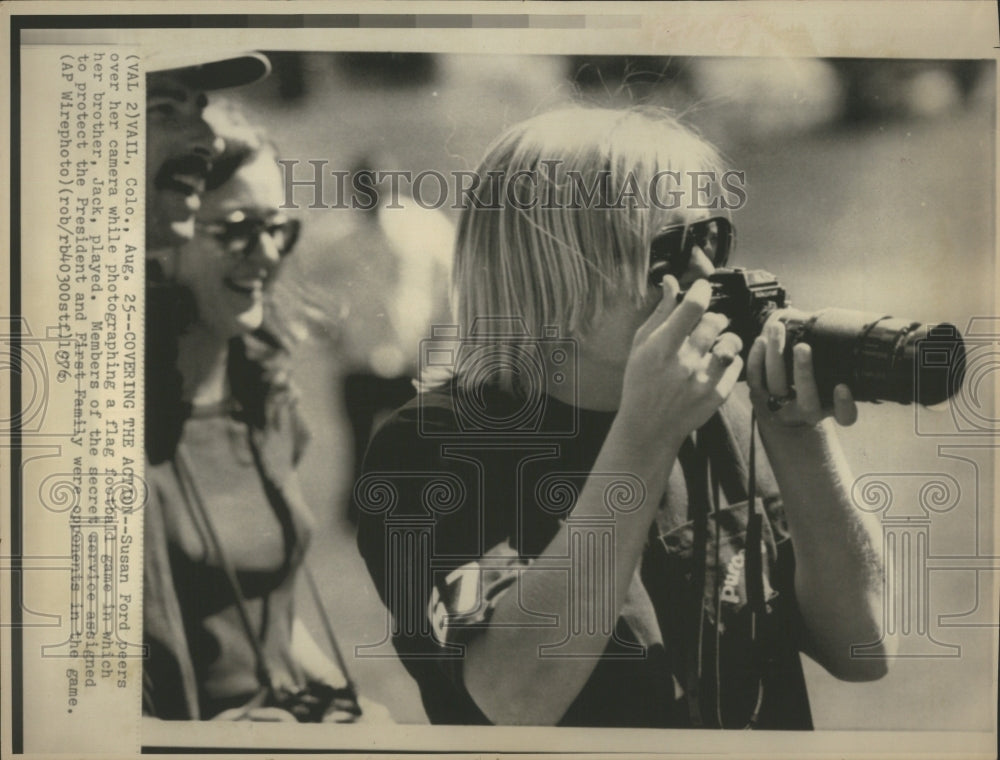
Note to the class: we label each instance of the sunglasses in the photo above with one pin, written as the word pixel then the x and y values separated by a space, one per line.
pixel 670 251
pixel 239 233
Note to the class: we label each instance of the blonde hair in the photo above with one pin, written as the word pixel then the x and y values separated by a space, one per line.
pixel 558 262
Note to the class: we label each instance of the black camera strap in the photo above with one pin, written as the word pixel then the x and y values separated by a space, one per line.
pixel 754 558
pixel 698 504
pixel 705 485
pixel 754 570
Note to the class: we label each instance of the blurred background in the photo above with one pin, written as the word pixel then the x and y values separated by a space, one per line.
pixel 871 186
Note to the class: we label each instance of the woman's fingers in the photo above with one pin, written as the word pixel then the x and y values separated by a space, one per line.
pixel 663 310
pixel 721 375
pixel 774 362
pixel 729 378
pixel 845 411
pixel 257 714
pixel 755 367
pixel 271 715
pixel 705 333
pixel 233 713
pixel 805 381
pixel 671 323
pixel 724 353
pixel 371 712
pixel 682 321
pixel 767 380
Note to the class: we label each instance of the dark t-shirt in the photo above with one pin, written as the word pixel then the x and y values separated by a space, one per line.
pixel 461 493
pixel 193 623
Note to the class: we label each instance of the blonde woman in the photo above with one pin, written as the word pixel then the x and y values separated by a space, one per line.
pixel 559 529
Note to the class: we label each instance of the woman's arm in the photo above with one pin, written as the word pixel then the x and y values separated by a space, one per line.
pixel 674 381
pixel 504 671
pixel 838 562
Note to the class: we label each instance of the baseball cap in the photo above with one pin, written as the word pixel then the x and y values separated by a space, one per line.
pixel 211 71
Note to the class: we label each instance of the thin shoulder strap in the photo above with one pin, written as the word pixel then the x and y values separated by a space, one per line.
pixel 729 434
pixel 182 468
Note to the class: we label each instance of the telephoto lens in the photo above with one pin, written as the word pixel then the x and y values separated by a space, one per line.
pixel 878 357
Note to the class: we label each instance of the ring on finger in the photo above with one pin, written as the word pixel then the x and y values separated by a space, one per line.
pixel 777 403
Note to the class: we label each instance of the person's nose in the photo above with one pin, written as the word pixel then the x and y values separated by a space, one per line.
pixel 203 140
pixel 700 266
pixel 266 251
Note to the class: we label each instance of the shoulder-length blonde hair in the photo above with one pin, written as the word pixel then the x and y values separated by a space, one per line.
pixel 558 261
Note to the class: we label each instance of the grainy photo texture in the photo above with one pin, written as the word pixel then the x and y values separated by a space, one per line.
pixel 373 378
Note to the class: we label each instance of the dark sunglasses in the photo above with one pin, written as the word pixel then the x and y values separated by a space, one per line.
pixel 239 233
pixel 670 251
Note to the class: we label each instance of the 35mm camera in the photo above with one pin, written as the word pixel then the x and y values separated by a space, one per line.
pixel 879 357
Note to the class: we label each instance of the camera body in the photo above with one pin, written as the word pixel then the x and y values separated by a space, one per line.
pixel 311 703
pixel 748 297
pixel 878 357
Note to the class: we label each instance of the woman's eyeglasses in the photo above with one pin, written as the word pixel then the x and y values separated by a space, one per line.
pixel 670 251
pixel 239 233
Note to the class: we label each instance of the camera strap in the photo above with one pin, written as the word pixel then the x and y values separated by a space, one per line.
pixel 338 655
pixel 754 558
pixel 704 498
pixel 698 503
pixel 189 486
pixel 183 471
pixel 754 570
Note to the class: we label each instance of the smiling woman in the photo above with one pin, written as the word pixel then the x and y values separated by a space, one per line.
pixel 227 529
pixel 242 237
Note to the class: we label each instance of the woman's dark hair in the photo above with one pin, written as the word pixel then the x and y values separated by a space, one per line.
pixel 258 362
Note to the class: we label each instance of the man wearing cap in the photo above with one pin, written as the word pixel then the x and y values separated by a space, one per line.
pixel 180 145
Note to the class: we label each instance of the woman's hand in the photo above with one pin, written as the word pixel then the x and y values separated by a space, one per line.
pixel 320 669
pixel 838 558
pixel 796 405
pixel 371 712
pixel 257 715
pixel 680 369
